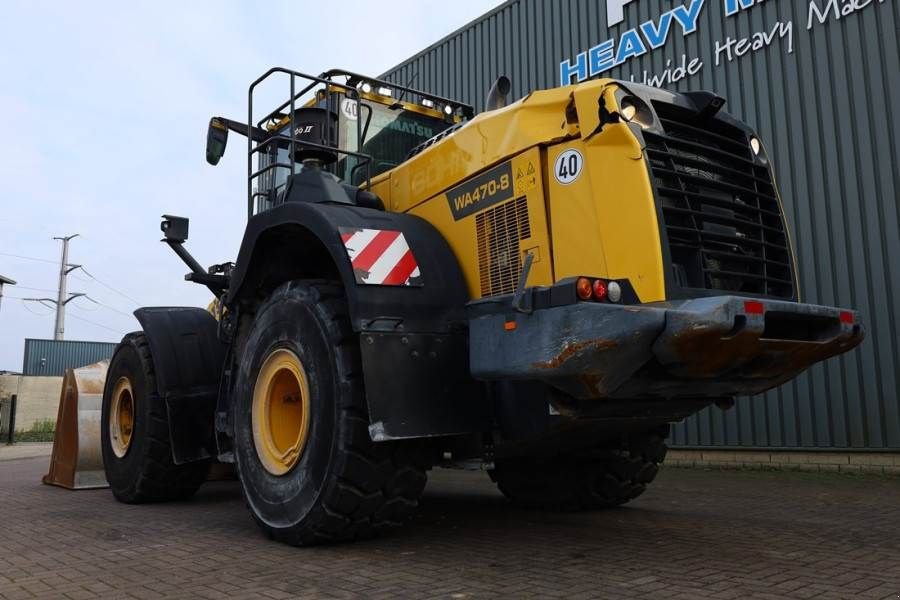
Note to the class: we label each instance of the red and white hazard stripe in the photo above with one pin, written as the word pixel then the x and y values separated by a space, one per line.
pixel 380 256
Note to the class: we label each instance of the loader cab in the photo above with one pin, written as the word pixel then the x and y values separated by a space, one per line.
pixel 372 125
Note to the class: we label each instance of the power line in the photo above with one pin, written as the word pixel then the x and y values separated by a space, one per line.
pixel 86 272
pixel 33 289
pixel 119 331
pixel 83 309
pixel 109 287
pixel 51 310
pixel 107 306
pixel 25 305
pixel 43 260
pixel 95 301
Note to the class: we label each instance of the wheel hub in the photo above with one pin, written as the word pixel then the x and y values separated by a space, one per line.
pixel 121 417
pixel 280 411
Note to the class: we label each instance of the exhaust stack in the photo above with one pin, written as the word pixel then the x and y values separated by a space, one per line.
pixel 498 96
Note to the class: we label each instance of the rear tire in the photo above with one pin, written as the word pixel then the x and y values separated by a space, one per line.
pixel 601 478
pixel 134 432
pixel 342 485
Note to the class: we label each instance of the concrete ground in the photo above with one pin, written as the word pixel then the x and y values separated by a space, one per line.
pixel 695 534
pixel 24 450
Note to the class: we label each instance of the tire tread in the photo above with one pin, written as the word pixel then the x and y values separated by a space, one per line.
pixel 159 479
pixel 369 489
pixel 603 478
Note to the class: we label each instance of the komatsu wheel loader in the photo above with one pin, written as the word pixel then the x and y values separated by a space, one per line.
pixel 538 290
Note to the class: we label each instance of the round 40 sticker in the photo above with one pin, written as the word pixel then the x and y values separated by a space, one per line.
pixel 568 166
pixel 348 107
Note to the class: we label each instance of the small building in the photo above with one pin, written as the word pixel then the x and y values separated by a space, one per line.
pixel 53 357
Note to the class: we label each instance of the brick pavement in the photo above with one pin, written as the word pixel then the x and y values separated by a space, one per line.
pixel 695 534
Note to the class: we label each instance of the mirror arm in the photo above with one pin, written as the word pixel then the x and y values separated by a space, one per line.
pixel 257 134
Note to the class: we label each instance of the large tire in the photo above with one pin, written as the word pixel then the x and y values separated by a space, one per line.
pixel 342 485
pixel 603 478
pixel 142 470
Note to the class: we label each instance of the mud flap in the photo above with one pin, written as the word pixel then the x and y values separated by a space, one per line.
pixel 188 358
pixel 418 385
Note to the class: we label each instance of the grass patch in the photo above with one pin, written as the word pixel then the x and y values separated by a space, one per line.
pixel 41 431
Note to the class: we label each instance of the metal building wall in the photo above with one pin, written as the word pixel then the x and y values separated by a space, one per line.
pixel 828 114
pixel 51 357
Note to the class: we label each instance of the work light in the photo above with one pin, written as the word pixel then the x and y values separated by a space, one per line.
pixel 755 145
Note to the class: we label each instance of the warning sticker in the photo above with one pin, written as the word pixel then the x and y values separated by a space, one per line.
pixel 381 257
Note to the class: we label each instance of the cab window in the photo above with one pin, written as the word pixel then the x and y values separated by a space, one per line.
pixel 389 137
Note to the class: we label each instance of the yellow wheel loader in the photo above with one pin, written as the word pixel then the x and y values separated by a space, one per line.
pixel 537 291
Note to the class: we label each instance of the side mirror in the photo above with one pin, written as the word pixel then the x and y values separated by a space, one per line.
pixel 216 140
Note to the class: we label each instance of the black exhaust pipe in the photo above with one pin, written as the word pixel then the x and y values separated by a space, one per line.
pixel 498 97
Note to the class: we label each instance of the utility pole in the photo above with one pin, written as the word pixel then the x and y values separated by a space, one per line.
pixel 62 298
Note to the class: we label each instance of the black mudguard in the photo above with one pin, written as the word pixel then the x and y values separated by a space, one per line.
pixel 188 358
pixel 414 341
pixel 435 305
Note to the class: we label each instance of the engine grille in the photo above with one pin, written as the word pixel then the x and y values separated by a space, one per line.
pixel 722 218
pixel 499 231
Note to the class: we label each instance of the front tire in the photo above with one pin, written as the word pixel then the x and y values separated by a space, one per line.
pixel 604 477
pixel 309 471
pixel 134 432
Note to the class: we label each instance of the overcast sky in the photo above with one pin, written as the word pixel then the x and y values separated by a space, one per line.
pixel 106 107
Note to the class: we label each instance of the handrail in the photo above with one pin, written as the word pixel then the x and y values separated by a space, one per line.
pixel 292 140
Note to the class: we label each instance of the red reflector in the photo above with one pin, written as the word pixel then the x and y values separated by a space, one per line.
pixel 600 290
pixel 754 307
pixel 510 326
pixel 847 317
pixel 583 288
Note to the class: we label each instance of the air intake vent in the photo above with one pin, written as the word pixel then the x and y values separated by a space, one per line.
pixel 499 231
pixel 720 212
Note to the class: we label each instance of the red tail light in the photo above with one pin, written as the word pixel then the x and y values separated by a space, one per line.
pixel 754 307
pixel 599 290
pixel 847 317
pixel 583 288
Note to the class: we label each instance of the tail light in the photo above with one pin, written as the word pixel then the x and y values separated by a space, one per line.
pixel 583 288
pixel 754 307
pixel 598 290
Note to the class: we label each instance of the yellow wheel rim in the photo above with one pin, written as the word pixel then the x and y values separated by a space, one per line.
pixel 280 411
pixel 121 417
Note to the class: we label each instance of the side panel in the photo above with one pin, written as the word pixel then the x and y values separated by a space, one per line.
pixel 605 223
pixel 491 221
pixel 188 358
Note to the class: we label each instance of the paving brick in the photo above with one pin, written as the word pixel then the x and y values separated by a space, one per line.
pixel 695 534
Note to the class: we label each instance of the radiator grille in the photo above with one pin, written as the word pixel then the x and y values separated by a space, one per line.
pixel 720 211
pixel 499 231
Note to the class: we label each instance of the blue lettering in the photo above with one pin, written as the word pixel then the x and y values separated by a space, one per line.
pixel 579 69
pixel 658 34
pixel 688 17
pixel 630 45
pixel 602 58
pixel 731 6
